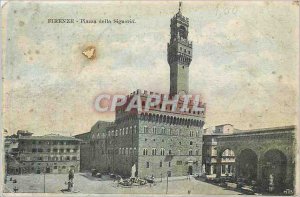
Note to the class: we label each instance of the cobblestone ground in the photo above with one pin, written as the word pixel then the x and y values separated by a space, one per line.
pixel 84 183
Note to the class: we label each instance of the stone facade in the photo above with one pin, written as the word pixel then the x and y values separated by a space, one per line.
pixel 156 142
pixel 261 153
pixel 210 151
pixel 48 154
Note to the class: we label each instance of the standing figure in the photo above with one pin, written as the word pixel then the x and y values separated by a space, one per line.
pixel 271 183
pixel 70 182
pixel 71 174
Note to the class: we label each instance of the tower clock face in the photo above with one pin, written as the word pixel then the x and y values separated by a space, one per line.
pixel 182 32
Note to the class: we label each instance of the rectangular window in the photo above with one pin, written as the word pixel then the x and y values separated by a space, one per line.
pixel 179 163
pixel 147 164
pixel 169 164
pixel 214 169
pixel 223 169
pixel 160 164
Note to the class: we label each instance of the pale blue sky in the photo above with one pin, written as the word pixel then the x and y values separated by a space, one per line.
pixel 245 61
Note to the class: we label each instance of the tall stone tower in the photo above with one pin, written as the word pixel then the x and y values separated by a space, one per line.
pixel 179 54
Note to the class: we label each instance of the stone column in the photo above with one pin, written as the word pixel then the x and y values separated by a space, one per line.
pixel 259 171
pixel 237 168
pixel 290 171
pixel 219 167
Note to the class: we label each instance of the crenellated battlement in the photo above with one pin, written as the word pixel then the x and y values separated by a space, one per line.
pixel 191 103
pixel 179 18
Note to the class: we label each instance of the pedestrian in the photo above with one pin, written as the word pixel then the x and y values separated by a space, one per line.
pixel 15 189
pixel 189 192
pixel 71 174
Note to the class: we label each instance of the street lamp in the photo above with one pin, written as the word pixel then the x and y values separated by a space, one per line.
pixel 168 173
pixel 44 181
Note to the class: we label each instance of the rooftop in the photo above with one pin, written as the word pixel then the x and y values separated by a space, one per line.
pixel 266 130
pixel 49 137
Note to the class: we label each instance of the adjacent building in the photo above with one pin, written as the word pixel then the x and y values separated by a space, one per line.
pixel 46 154
pixel 210 154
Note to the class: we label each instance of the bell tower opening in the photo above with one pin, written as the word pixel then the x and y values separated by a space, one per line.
pixel 179 54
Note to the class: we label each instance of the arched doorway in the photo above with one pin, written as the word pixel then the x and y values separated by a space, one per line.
pixel 228 163
pixel 247 165
pixel 274 167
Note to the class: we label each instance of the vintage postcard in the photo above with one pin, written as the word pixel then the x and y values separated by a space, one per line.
pixel 150 97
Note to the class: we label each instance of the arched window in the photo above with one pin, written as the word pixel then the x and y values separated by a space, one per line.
pixel 162 151
pixel 190 152
pixel 145 151
pixel 145 129
pixel 154 130
pixel 153 151
pixel 135 130
pixel 163 131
